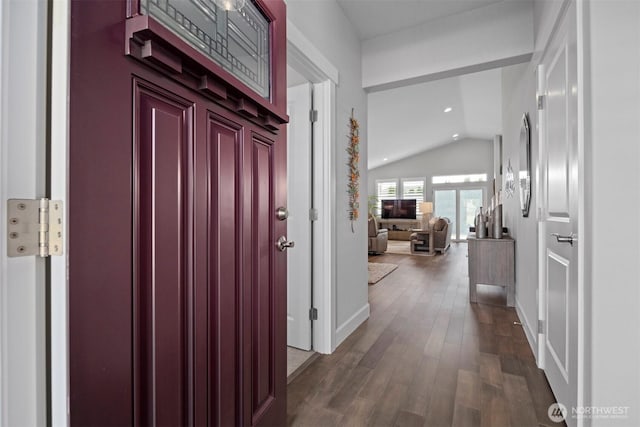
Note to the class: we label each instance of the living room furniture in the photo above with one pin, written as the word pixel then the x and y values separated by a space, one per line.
pixel 492 262
pixel 421 241
pixel 440 229
pixel 426 208
pixel 436 238
pixel 378 237
pixel 400 229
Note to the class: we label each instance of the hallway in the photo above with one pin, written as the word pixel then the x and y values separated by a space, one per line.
pixel 426 357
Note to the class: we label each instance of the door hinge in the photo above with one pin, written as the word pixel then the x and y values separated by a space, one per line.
pixel 541 326
pixel 541 102
pixel 313 116
pixel 313 313
pixel 34 227
pixel 313 214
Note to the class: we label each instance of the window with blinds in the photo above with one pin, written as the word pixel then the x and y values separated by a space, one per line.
pixel 385 190
pixel 413 188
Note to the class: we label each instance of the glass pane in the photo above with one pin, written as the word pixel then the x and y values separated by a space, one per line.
pixel 238 41
pixel 445 205
pixel 414 189
pixel 386 190
pixel 470 201
pixel 456 179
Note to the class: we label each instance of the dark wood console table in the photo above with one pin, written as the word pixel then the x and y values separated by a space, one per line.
pixel 492 262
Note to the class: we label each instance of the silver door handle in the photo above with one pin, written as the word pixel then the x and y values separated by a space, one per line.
pixel 565 239
pixel 282 244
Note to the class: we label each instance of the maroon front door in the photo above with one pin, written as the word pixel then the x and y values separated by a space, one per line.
pixel 177 292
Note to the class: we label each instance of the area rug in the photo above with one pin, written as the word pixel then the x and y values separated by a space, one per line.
pixel 378 270
pixel 398 247
pixel 401 247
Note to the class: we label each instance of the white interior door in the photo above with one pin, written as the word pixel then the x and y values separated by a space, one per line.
pixel 559 144
pixel 299 202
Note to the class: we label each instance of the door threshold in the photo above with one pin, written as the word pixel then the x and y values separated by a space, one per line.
pixel 302 367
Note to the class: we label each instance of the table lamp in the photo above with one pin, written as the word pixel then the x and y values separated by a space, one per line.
pixel 427 209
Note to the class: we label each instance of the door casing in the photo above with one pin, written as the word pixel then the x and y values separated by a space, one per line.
pixel 24 32
pixel 309 61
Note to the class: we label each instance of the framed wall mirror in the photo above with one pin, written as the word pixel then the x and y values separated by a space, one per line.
pixel 524 175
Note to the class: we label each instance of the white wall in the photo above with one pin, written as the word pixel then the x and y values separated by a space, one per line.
pixel 487 37
pixel 457 158
pixel 613 157
pixel 519 94
pixel 325 25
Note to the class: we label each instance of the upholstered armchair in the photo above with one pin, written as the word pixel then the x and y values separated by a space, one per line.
pixel 441 231
pixel 377 237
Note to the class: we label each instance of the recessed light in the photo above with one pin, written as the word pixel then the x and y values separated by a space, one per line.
pixel 385 159
pixel 448 109
pixel 455 135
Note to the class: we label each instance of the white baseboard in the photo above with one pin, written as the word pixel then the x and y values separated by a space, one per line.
pixel 351 324
pixel 531 333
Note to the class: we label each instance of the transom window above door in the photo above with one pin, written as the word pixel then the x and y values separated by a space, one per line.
pixel 238 41
pixel 458 179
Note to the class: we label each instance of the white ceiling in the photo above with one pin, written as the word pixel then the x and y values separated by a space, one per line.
pixel 372 18
pixel 411 119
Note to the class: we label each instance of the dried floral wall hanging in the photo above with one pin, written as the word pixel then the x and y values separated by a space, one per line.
pixel 353 187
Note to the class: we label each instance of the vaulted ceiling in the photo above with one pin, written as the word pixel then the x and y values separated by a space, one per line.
pixel 407 120
pixel 412 119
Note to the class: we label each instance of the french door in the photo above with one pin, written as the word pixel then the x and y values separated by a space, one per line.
pixel 177 290
pixel 460 206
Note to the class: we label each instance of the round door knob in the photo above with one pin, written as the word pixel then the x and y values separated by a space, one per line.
pixel 282 213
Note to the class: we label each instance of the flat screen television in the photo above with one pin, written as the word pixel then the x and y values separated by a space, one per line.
pixel 399 209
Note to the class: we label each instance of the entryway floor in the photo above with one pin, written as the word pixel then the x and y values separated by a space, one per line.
pixel 296 358
pixel 426 356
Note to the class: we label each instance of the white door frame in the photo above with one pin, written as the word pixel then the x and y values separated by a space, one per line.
pixel 59 325
pixel 23 115
pixel 582 374
pixel 306 59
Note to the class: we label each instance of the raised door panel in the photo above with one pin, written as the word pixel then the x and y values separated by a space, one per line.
pixel 262 281
pixel 224 282
pixel 162 145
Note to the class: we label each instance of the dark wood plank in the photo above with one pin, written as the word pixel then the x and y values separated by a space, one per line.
pixel 495 409
pixel 386 411
pixel 490 369
pixel 409 419
pixel 465 417
pixel 347 393
pixel 358 413
pixel 468 389
pixel 426 356
pixel 519 399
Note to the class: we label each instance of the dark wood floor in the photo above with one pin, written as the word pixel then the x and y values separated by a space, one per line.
pixel 426 357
